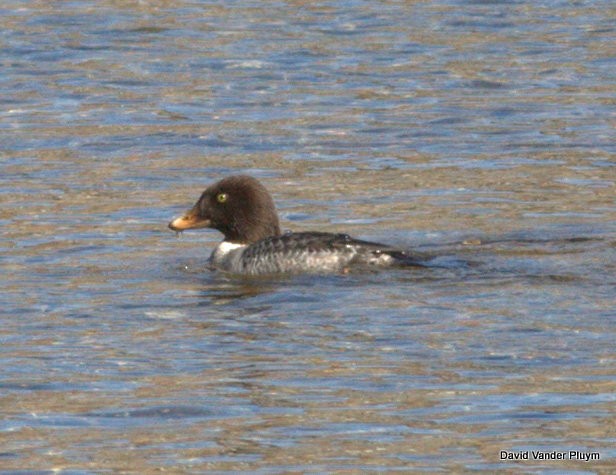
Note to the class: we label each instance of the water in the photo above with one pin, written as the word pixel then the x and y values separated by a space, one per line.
pixel 481 133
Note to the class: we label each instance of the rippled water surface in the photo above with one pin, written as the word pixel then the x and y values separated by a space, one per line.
pixel 481 133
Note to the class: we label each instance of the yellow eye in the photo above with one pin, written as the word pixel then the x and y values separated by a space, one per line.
pixel 221 197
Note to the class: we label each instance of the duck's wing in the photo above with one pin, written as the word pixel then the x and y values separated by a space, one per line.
pixel 325 251
pixel 373 250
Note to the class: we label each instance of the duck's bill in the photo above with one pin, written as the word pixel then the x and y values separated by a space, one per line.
pixel 189 220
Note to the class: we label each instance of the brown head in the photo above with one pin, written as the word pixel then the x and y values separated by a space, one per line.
pixel 238 206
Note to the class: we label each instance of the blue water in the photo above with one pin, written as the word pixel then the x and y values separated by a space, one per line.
pixel 479 133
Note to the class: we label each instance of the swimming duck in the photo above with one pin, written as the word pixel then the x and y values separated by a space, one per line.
pixel 241 208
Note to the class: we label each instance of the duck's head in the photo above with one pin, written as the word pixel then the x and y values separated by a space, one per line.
pixel 238 206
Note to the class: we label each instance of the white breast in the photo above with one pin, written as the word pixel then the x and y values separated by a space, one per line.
pixel 227 255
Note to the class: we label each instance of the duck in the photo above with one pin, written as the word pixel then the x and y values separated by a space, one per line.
pixel 242 209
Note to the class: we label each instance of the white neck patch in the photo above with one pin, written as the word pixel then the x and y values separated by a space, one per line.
pixel 226 256
pixel 226 247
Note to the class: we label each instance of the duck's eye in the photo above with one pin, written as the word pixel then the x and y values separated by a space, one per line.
pixel 221 197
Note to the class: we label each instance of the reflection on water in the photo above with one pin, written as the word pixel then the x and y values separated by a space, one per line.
pixel 477 133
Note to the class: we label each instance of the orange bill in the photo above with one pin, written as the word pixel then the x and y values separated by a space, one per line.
pixel 189 220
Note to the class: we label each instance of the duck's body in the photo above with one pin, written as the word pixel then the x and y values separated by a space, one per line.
pixel 310 252
pixel 242 209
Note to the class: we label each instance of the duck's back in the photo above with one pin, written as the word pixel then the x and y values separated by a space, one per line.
pixel 310 252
